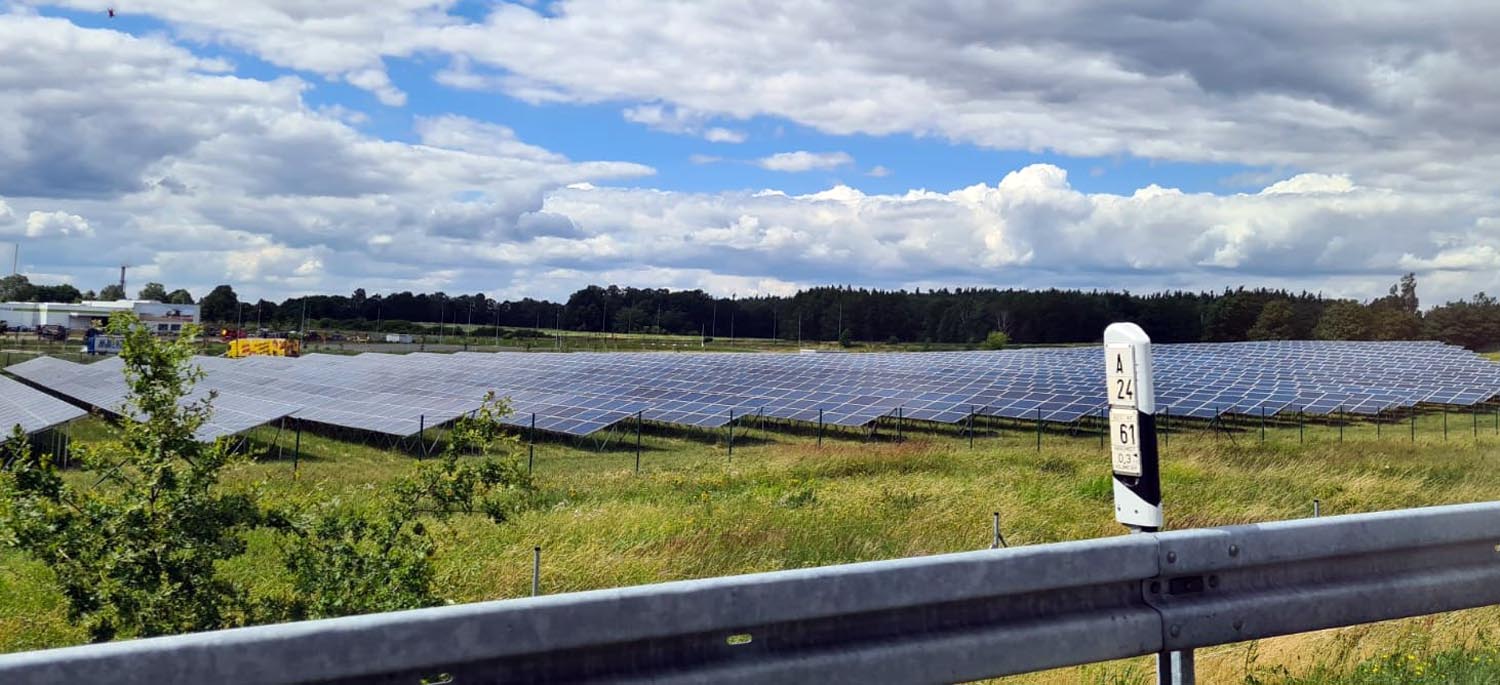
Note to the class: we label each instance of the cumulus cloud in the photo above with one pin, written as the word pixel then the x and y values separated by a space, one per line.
pixel 57 225
pixel 724 135
pixel 803 160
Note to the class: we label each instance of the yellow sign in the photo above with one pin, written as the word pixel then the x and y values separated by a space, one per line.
pixel 264 347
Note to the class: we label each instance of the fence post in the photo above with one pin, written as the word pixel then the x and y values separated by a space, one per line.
pixel 820 427
pixel 1300 431
pixel 638 440
pixel 1103 427
pixel 1038 429
pixel 1317 508
pixel 996 540
pixel 1445 423
pixel 1166 429
pixel 1342 415
pixel 899 437
pixel 536 571
pixel 1414 423
pixel 297 451
pixel 421 436
pixel 971 426
pixel 731 435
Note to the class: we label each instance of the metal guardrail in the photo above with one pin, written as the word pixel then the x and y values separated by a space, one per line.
pixel 945 618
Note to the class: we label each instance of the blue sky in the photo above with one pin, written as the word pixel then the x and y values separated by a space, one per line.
pixel 439 144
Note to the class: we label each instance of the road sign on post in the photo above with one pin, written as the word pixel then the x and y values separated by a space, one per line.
pixel 1132 426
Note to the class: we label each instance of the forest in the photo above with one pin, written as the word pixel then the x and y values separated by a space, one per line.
pixel 842 313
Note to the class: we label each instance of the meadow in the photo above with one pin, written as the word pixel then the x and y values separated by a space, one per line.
pixel 784 501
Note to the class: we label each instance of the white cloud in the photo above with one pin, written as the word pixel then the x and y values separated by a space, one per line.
pixel 803 160
pixel 878 171
pixel 724 135
pixel 57 225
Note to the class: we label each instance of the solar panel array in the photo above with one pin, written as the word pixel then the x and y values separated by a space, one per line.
pixel 32 410
pixel 581 393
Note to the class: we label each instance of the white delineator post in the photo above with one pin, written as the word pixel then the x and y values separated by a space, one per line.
pixel 1132 427
pixel 1137 469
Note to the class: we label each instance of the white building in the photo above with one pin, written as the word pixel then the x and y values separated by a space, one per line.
pixel 165 318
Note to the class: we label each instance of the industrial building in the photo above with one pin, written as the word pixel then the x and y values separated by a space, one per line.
pixel 164 318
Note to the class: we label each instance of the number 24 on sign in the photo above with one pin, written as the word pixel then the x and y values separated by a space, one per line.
pixel 1121 375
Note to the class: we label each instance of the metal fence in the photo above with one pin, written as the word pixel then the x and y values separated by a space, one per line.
pixel 943 618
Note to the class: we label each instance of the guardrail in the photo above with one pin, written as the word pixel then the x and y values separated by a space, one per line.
pixel 945 618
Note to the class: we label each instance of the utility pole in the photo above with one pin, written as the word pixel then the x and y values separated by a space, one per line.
pixel 732 308
pixel 15 259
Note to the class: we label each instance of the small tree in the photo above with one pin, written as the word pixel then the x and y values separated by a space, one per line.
pixel 846 338
pixel 996 340
pixel 138 554
pixel 111 293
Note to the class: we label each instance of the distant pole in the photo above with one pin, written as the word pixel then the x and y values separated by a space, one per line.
pixel 421 435
pixel 1103 427
pixel 536 571
pixel 1166 426
pixel 531 444
pixel 1038 429
pixel 971 426
pixel 638 441
pixel 820 427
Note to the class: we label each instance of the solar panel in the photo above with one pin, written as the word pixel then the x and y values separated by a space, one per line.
pixel 581 393
pixel 34 411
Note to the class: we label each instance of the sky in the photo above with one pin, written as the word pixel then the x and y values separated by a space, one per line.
pixel 751 147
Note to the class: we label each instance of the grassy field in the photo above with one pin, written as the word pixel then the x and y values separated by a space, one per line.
pixel 785 502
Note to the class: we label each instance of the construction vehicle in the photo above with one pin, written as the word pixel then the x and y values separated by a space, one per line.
pixel 264 347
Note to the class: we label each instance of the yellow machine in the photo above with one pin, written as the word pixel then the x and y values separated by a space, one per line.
pixel 265 347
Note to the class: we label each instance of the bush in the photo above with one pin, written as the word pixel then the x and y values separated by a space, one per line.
pixel 996 340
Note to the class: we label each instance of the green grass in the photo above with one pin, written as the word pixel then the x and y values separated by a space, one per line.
pixel 784 502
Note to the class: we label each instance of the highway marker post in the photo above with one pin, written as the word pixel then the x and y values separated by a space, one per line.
pixel 1135 461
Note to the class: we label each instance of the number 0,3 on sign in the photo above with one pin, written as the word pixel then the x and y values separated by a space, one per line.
pixel 1120 365
pixel 1125 441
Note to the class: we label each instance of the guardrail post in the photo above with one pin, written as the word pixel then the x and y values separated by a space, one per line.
pixel 1176 668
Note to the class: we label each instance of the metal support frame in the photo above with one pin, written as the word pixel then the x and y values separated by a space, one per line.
pixel 944 618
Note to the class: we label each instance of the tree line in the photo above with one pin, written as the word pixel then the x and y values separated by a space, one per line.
pixel 953 316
